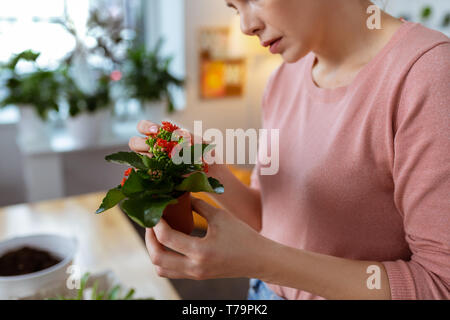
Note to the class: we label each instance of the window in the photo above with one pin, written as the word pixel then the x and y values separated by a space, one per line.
pixel 34 25
pixel 165 19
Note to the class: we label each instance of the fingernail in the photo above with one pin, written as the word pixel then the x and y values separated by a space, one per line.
pixel 153 129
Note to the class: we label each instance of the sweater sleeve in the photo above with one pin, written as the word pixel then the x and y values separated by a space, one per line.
pixel 421 175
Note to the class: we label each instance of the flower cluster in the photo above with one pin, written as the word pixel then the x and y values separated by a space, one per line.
pixel 126 174
pixel 161 144
pixel 169 127
pixel 164 146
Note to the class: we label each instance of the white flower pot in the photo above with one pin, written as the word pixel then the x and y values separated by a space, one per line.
pixel 86 129
pixel 47 280
pixel 31 127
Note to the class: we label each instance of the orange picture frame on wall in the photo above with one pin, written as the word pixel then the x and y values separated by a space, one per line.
pixel 220 76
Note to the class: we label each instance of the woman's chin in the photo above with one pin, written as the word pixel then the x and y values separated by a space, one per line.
pixel 292 56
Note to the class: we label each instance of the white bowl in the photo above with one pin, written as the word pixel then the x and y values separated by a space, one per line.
pixel 18 287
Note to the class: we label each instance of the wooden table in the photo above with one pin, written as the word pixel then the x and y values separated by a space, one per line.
pixel 105 242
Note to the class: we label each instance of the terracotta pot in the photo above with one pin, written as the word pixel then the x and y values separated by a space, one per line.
pixel 179 216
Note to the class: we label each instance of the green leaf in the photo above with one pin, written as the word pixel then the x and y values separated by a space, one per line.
pixel 129 158
pixel 195 158
pixel 199 182
pixel 129 295
pixel 100 295
pixel 446 20
pixel 113 294
pixel 112 198
pixel 152 163
pixel 26 55
pixel 163 187
pixel 94 291
pixel 149 162
pixel 133 185
pixel 147 211
pixel 216 185
pixel 83 283
pixel 426 12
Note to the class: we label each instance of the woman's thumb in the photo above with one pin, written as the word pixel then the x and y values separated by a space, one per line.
pixel 203 208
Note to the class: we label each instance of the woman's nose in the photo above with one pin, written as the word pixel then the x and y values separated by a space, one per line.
pixel 251 26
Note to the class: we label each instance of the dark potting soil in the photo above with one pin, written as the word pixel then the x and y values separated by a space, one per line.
pixel 26 260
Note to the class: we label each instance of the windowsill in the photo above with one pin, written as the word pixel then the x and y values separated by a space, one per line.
pixel 60 141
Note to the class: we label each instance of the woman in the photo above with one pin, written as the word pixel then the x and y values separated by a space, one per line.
pixel 359 208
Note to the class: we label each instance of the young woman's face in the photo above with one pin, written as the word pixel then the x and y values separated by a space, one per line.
pixel 288 27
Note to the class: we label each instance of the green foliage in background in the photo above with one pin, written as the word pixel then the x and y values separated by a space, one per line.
pixel 81 102
pixel 427 13
pixel 147 75
pixel 39 89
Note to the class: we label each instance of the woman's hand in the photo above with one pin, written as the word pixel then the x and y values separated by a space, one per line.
pixel 137 144
pixel 145 127
pixel 230 248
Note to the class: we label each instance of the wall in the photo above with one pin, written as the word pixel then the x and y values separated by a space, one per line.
pixel 413 9
pixel 221 114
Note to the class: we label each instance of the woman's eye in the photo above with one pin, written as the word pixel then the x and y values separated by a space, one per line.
pixel 233 8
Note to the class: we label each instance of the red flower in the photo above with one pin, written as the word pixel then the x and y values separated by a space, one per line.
pixel 161 142
pixel 116 75
pixel 123 181
pixel 205 167
pixel 169 127
pixel 170 147
pixel 128 172
pixel 167 146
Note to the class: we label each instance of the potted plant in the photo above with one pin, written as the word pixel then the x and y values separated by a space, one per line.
pixel 87 86
pixel 35 93
pixel 147 79
pixel 88 111
pixel 160 186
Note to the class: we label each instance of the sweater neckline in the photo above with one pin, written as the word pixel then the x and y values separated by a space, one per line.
pixel 336 94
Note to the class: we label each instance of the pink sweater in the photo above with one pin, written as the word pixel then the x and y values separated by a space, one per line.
pixel 365 169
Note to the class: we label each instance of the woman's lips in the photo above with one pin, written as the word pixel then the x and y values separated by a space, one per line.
pixel 275 46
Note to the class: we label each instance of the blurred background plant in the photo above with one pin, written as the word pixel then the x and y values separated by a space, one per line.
pixel 38 88
pixel 146 75
pixel 80 101
pixel 106 64
pixel 427 12
pixel 94 293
